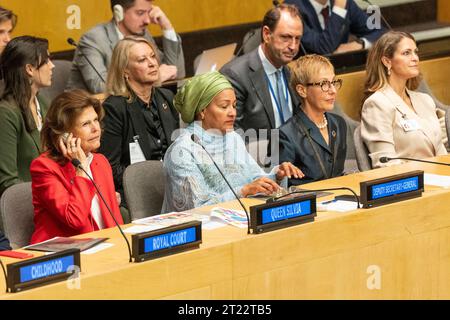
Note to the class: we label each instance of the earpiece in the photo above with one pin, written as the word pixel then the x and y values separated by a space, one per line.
pixel 118 13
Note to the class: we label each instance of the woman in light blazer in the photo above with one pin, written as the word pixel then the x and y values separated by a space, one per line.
pixel 397 121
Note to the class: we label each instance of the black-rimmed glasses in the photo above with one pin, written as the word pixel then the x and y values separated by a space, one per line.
pixel 325 85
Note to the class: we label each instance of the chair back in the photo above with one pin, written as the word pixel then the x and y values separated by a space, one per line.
pixel 17 214
pixel 60 76
pixel 447 123
pixel 143 185
pixel 362 154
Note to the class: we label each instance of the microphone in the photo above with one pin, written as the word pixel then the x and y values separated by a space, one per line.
pixel 387 159
pixel 316 190
pixel 73 43
pixel 196 139
pixel 77 164
pixel 381 14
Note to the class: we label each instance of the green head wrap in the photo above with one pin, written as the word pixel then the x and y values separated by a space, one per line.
pixel 197 94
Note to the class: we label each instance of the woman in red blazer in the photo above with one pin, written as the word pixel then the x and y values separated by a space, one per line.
pixel 64 199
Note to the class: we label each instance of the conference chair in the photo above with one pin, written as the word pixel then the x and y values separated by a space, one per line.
pixel 362 154
pixel 351 126
pixel 447 123
pixel 17 213
pixel 251 41
pixel 143 184
pixel 60 76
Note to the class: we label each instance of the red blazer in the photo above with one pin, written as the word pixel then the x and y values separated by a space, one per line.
pixel 62 200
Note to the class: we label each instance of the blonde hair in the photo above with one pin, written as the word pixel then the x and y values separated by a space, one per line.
pixel 376 71
pixel 116 84
pixel 304 68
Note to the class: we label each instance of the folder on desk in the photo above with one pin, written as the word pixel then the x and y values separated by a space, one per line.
pixel 63 243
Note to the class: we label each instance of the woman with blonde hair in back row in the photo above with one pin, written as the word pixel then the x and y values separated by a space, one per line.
pixel 139 116
pixel 314 139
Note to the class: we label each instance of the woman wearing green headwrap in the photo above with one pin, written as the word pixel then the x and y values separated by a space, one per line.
pixel 208 104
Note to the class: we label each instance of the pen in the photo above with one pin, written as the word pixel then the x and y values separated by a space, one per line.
pixel 328 202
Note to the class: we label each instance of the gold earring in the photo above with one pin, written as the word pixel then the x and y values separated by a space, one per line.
pixel 389 71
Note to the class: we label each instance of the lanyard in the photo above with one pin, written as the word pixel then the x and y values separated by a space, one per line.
pixel 280 112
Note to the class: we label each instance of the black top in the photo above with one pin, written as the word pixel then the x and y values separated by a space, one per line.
pixel 309 153
pixel 124 120
pixel 4 243
pixel 156 136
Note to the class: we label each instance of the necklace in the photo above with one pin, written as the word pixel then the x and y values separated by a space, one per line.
pixel 324 124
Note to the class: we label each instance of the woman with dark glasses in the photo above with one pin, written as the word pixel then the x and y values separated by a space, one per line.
pixel 314 139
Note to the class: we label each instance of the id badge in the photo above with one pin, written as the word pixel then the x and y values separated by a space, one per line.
pixel 409 125
pixel 136 154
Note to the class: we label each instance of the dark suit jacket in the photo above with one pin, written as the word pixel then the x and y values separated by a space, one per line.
pixel 4 243
pixel 98 44
pixel 337 31
pixel 295 147
pixel 254 103
pixel 62 201
pixel 18 146
pixel 124 120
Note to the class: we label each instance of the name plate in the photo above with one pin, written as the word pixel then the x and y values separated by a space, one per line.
pixel 391 189
pixel 283 213
pixel 43 270
pixel 166 241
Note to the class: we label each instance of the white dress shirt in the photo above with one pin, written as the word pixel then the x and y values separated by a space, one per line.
pixel 95 205
pixel 271 74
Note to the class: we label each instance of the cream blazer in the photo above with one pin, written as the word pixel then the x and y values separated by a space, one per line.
pixel 384 135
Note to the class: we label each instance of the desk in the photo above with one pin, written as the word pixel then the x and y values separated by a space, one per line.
pixel 406 243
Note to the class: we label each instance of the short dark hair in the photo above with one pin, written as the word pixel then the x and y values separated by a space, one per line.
pixel 61 117
pixel 6 15
pixel 126 4
pixel 272 16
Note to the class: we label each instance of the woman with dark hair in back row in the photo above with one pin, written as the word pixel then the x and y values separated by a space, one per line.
pixel 26 68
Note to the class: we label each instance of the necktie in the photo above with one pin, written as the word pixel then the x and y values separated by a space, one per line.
pixel 326 14
pixel 281 98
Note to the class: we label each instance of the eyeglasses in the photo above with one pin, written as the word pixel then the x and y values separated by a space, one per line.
pixel 325 85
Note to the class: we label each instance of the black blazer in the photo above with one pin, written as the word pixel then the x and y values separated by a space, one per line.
pixel 4 243
pixel 295 147
pixel 123 120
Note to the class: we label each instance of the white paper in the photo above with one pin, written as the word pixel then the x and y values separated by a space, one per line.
pixel 338 205
pixel 436 180
pixel 140 229
pixel 98 248
pixel 211 225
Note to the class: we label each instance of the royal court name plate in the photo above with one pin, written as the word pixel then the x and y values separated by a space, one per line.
pixel 166 241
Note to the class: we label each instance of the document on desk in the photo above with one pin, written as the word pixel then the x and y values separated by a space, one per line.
pixel 436 180
pixel 98 248
pixel 337 205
